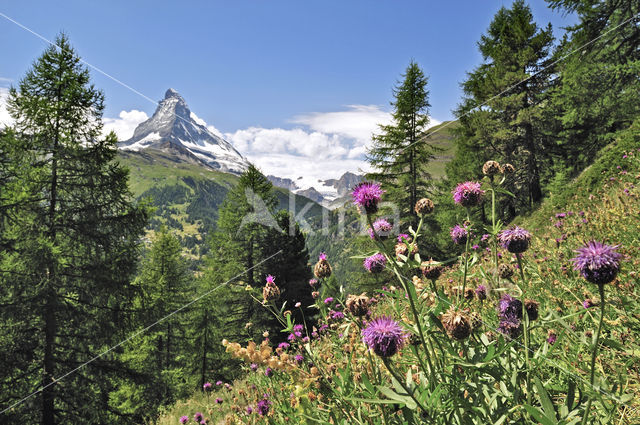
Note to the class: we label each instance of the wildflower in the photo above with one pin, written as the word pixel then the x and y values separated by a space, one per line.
pixel 298 328
pixel 404 238
pixel 227 387
pixel 505 271
pixel 268 372
pixel 468 194
pixel 207 386
pixel 198 417
pixel 253 367
pixel 375 263
pixel 249 410
pixel 511 328
pixel 315 294
pixel 328 300
pixel 459 234
pixel 431 269
pixel 263 406
pixel 381 228
pixel 299 358
pixel 515 240
pixel 298 304
pixel 218 400
pixel 491 168
pixel 598 263
pixel 551 337
pixel 588 303
pixel 322 268
pixel 424 206
pixel 367 195
pixel 456 323
pixel 468 294
pixel 336 315
pixel 270 291
pixel 284 345
pixel 531 308
pixel 184 419
pixel 507 169
pixel 218 383
pixel 384 336
pixel 509 308
pixel 481 292
pixel 358 305
pixel 313 282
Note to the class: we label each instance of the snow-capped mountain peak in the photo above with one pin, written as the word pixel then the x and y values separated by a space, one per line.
pixel 173 127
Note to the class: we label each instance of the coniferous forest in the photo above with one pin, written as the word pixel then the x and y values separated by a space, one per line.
pixel 503 290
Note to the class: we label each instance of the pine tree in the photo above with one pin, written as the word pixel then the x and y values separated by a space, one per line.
pixel 508 127
pixel 73 236
pixel 399 154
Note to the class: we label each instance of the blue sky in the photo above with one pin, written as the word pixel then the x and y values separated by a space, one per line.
pixel 263 64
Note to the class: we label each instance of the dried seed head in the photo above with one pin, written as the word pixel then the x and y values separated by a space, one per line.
pixel 424 206
pixel 505 271
pixel 357 305
pixel 507 169
pixel 491 168
pixel 456 323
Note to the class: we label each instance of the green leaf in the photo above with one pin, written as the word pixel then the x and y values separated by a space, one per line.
pixel 539 416
pixel 547 405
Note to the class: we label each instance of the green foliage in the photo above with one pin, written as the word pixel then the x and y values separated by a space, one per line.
pixel 70 235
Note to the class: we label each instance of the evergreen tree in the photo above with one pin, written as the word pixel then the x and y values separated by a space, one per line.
pixel 399 154
pixel 508 126
pixel 73 234
pixel 156 359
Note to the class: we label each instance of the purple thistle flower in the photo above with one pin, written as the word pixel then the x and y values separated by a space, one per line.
pixel 284 345
pixel 481 292
pixel 510 328
pixel 207 386
pixel 197 417
pixel 298 328
pixel 588 303
pixel 328 300
pixel 218 400
pixel 367 195
pixel 270 279
pixel 515 240
pixel 598 263
pixel 253 367
pixel 384 336
pixel 305 339
pixel 336 315
pixel 249 410
pixel 459 234
pixel 403 237
pixel 184 419
pixel 376 263
pixel 509 308
pixel 263 406
pixel 551 339
pixel 313 282
pixel 381 228
pixel 299 358
pixel 268 372
pixel 485 237
pixel 322 256
pixel 468 194
pixel 291 337
pixel 218 383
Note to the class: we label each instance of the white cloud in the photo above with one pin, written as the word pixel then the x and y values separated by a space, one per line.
pixel 326 145
pixel 5 119
pixel 125 124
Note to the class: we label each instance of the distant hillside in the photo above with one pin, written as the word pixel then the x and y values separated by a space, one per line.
pixel 186 196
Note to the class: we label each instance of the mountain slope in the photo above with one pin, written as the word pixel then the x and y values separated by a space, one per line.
pixel 174 129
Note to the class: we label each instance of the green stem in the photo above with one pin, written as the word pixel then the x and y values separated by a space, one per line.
pixel 525 330
pixel 494 238
pixel 401 382
pixel 466 256
pixel 594 352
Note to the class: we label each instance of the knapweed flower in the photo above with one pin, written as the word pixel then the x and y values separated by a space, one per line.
pixel 357 305
pixel 491 168
pixel 336 315
pixel 253 367
pixel 381 228
pixel 509 308
pixel 268 372
pixel 270 291
pixel 313 282
pixel 424 206
pixel 249 410
pixel 531 307
pixel 404 238
pixel 207 386
pixel 376 263
pixel 198 417
pixel 366 195
pixel 384 336
pixel 597 262
pixel 515 240
pixel 456 323
pixel 468 194
pixel 588 303
pixel 459 234
pixel 431 269
pixel 551 337
pixel 481 292
pixel 510 328
pixel 298 328
pixel 218 400
pixel 322 268
pixel 218 383
pixel 184 419
pixel 263 406
pixel 284 345
pixel 328 300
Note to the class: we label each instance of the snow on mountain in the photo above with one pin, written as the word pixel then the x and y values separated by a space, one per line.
pixel 322 191
pixel 173 127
